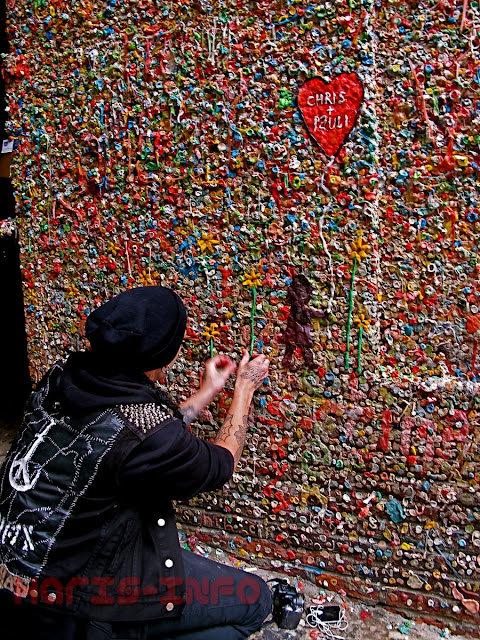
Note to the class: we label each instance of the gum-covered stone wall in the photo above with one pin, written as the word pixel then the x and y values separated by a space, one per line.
pixel 306 176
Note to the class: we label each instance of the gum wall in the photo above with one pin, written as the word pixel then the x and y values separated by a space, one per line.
pixel 306 176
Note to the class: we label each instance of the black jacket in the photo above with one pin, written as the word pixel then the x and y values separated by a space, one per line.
pixel 86 520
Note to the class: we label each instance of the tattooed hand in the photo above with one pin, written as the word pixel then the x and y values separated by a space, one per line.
pixel 251 373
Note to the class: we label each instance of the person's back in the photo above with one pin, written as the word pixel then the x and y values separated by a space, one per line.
pixel 88 537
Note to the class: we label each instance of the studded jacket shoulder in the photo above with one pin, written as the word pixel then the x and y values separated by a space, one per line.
pixel 145 416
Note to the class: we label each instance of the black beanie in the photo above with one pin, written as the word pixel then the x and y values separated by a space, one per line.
pixel 139 330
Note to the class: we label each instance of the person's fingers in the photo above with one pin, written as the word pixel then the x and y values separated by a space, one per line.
pixel 245 358
pixel 218 361
pixel 229 368
pixel 210 366
pixel 232 364
pixel 224 361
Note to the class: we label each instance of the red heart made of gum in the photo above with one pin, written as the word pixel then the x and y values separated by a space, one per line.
pixel 330 109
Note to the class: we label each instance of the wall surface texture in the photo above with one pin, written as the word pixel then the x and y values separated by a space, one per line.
pixel 185 143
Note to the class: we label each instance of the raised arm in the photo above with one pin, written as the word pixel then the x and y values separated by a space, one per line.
pixel 250 376
pixel 217 371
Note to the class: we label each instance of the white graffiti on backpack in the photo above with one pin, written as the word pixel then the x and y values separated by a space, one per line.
pixel 19 474
pixel 13 532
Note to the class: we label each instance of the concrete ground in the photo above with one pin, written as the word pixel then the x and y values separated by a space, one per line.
pixel 361 621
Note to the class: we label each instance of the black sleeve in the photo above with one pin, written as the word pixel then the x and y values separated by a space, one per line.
pixel 176 463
